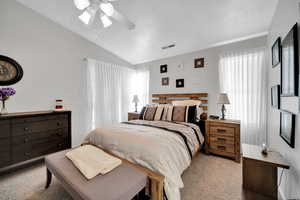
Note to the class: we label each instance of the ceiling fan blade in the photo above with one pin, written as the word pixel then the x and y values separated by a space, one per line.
pixel 121 18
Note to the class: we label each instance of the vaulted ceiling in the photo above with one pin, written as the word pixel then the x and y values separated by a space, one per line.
pixel 190 24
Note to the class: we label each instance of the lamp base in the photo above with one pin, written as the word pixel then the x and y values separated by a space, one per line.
pixel 223 110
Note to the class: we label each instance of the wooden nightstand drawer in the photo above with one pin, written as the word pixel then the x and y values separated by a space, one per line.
pixel 222 148
pixel 222 130
pixel 217 139
pixel 133 116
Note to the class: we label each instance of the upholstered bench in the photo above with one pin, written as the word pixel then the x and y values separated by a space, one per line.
pixel 122 183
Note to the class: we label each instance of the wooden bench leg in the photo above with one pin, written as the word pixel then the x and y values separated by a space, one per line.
pixel 49 178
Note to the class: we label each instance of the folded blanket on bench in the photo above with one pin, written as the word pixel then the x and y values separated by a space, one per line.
pixel 92 161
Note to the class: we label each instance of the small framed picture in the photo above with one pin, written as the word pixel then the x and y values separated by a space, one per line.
pixel 163 69
pixel 287 127
pixel 179 83
pixel 199 62
pixel 276 52
pixel 275 96
pixel 165 81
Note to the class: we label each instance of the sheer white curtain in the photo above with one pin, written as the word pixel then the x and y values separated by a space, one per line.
pixel 110 89
pixel 243 76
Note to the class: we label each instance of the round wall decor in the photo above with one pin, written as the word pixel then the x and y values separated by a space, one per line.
pixel 11 72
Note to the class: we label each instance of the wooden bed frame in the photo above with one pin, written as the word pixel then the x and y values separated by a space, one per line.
pixel 155 184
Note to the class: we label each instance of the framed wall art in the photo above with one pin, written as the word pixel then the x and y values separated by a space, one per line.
pixel 275 96
pixel 276 52
pixel 287 128
pixel 165 81
pixel 163 69
pixel 179 83
pixel 199 63
pixel 290 64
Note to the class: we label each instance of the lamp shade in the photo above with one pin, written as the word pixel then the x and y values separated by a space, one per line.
pixel 223 99
pixel 135 99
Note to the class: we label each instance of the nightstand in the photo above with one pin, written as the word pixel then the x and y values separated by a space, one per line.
pixel 133 115
pixel 264 179
pixel 222 137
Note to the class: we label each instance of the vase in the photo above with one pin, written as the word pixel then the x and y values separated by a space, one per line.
pixel 3 108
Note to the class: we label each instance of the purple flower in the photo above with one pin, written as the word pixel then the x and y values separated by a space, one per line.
pixel 6 92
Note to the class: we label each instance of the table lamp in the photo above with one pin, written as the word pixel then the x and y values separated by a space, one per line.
pixel 135 101
pixel 223 99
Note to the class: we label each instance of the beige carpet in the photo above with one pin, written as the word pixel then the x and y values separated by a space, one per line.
pixel 208 178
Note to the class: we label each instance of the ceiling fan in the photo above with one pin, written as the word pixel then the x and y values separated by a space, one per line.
pixel 104 9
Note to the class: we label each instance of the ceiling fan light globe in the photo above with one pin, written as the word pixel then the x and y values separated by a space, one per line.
pixel 82 4
pixel 105 21
pixel 107 8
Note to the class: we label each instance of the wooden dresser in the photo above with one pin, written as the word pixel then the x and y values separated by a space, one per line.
pixel 222 137
pixel 25 136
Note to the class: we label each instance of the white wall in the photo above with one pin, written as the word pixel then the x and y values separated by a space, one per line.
pixel 286 15
pixel 196 79
pixel 52 60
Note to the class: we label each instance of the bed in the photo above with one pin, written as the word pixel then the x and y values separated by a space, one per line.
pixel 162 148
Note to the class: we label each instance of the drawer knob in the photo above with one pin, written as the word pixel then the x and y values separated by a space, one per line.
pixel 221 148
pixel 26 129
pixel 59 134
pixel 26 140
pixel 60 145
pixel 222 139
pixel 221 130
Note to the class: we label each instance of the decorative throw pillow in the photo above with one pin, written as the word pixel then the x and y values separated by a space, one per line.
pixel 150 113
pixel 190 103
pixel 179 113
pixel 169 113
pixel 191 114
pixel 159 112
pixel 142 112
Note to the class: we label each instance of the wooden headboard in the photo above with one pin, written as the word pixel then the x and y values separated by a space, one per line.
pixel 168 98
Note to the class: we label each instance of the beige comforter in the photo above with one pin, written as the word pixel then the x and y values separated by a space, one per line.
pixel 161 146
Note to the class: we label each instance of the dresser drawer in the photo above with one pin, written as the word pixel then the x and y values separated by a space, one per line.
pixel 222 130
pixel 4 145
pixel 37 149
pixel 5 129
pixel 222 148
pixel 220 139
pixel 4 159
pixel 27 128
pixel 40 136
pixel 22 120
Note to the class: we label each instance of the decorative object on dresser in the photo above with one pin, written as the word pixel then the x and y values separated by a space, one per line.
pixel 133 115
pixel 163 69
pixel 222 137
pixel 59 105
pixel 276 52
pixel 11 71
pixel 264 180
pixel 287 127
pixel 135 100
pixel 199 63
pixel 290 63
pixel 5 93
pixel 165 81
pixel 179 83
pixel 26 136
pixel 275 96
pixel 223 99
